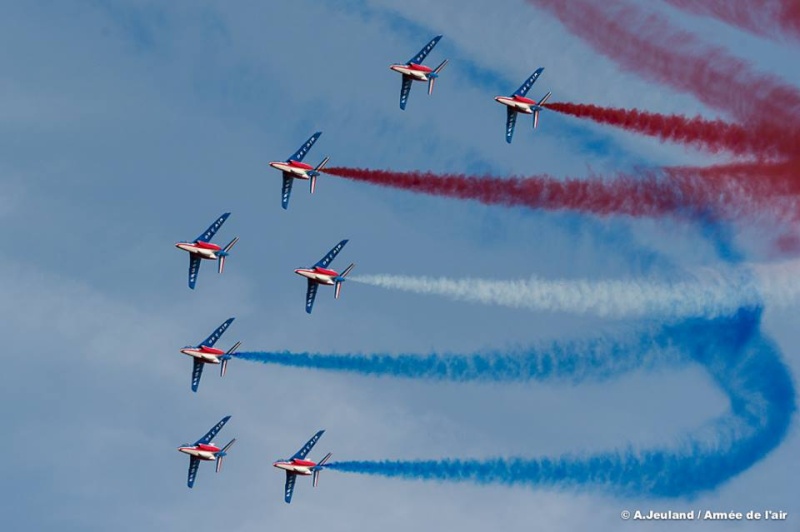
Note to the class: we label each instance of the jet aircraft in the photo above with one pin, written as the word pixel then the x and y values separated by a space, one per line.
pixel 414 70
pixel 320 274
pixel 205 353
pixel 518 103
pixel 293 168
pixel 298 465
pixel 201 248
pixel 204 449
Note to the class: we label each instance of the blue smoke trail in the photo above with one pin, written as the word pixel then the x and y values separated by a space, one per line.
pixel 744 363
pixel 574 362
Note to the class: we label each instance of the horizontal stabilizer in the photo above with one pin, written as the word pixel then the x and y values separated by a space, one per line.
pixel 321 165
pixel 233 348
pixel 229 445
pixel 347 270
pixel 544 99
pixel 230 245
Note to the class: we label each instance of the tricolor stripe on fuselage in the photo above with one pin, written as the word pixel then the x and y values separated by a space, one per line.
pixel 201 451
pixel 415 72
pixel 318 275
pixel 296 169
pixel 200 249
pixel 298 467
pixel 206 354
pixel 518 103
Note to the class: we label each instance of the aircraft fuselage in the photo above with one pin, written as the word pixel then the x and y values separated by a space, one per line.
pixel 204 250
pixel 209 355
pixel 202 451
pixel 318 275
pixel 298 467
pixel 518 103
pixel 415 72
pixel 297 169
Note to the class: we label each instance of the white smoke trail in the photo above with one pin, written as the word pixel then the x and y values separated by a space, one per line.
pixel 708 293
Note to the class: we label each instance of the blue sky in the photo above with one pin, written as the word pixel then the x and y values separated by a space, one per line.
pixel 128 126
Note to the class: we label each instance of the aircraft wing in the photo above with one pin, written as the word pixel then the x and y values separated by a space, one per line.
pixel 194 462
pixel 405 90
pixel 305 449
pixel 197 372
pixel 209 233
pixel 213 432
pixel 328 258
pixel 511 121
pixel 311 294
pixel 289 487
pixel 287 189
pixel 194 269
pixel 420 57
pixel 212 339
pixel 303 150
pixel 525 87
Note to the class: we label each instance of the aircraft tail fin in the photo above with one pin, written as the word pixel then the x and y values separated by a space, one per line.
pixel 318 469
pixel 222 454
pixel 435 74
pixel 339 280
pixel 223 366
pixel 224 253
pixel 316 172
pixel 539 107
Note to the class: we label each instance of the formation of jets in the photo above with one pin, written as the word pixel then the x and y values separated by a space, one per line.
pixel 201 248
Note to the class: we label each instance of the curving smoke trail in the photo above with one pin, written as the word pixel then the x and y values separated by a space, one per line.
pixel 744 363
pixel 709 135
pixel 762 17
pixel 708 293
pixel 725 191
pixel 646 44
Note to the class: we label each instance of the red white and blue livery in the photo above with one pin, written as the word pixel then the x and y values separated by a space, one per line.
pixel 414 70
pixel 321 274
pixel 294 168
pixel 518 103
pixel 298 465
pixel 202 248
pixel 205 353
pixel 204 449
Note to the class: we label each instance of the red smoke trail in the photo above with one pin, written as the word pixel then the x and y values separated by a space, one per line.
pixel 761 17
pixel 647 45
pixel 710 135
pixel 679 191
